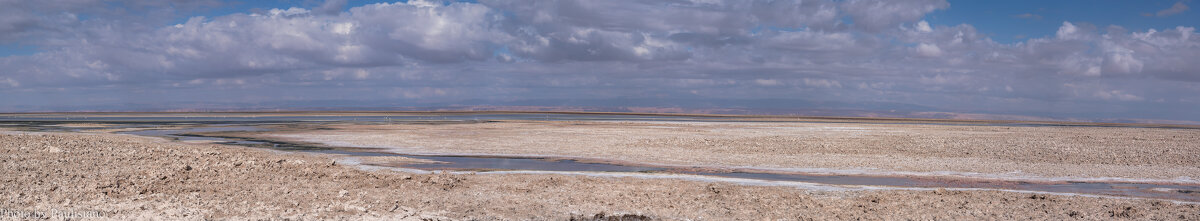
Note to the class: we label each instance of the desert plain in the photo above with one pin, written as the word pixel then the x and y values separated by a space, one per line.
pixel 103 174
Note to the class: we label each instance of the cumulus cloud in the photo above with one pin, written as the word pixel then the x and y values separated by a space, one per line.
pixel 1117 95
pixel 874 15
pixel 944 79
pixel 1067 31
pixel 10 82
pixel 1079 64
pixel 822 83
pixel 766 82
pixel 282 41
pixel 928 50
pixel 1102 92
pixel 1119 59
pixel 924 26
pixel 1178 7
pixel 331 7
pixel 564 49
pixel 45 22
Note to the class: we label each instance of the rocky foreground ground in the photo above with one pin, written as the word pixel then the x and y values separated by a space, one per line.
pixel 123 177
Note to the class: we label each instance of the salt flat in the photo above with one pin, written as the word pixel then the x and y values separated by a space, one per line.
pixel 1044 152
pixel 123 177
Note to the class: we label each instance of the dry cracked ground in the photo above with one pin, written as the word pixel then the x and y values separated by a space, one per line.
pixel 124 177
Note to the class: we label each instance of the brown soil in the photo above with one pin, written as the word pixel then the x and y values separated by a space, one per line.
pixel 125 177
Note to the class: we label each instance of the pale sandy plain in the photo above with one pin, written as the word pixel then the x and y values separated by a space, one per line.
pixel 1037 153
pixel 125 177
pixel 100 175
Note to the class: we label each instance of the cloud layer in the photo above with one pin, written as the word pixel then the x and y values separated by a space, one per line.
pixel 840 53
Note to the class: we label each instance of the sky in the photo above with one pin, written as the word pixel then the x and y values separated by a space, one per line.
pixel 1095 60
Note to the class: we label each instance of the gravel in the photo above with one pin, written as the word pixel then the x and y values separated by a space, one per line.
pixel 124 177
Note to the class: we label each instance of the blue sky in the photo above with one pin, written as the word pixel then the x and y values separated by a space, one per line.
pixel 1004 21
pixel 1047 60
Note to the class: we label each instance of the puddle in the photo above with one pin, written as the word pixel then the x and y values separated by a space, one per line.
pixel 509 163
pixel 1189 193
pixel 188 134
pixel 1141 190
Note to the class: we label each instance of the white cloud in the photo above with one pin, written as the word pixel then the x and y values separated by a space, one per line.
pixel 1178 7
pixel 928 50
pixel 330 7
pixel 808 40
pixel 345 28
pixel 1102 92
pixel 766 82
pixel 875 85
pixel 423 92
pixel 287 12
pixel 1121 60
pixel 424 3
pixel 511 50
pixel 822 83
pixel 940 79
pixel 874 15
pixel 11 83
pixel 1117 95
pixel 923 26
pixel 1067 31
pixel 1078 64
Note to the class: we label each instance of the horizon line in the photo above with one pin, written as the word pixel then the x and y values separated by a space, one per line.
pixel 780 118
